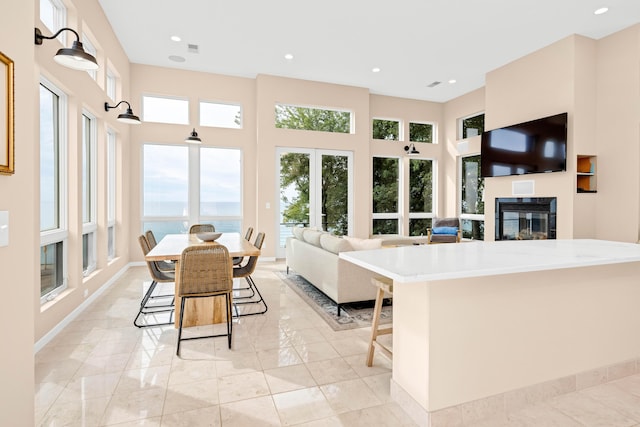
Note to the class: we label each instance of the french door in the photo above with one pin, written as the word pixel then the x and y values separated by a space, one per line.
pixel 314 190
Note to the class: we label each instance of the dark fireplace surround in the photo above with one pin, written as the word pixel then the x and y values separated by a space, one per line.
pixel 526 218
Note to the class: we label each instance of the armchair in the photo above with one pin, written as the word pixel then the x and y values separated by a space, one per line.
pixel 444 230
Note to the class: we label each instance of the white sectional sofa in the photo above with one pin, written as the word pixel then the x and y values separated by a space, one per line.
pixel 314 255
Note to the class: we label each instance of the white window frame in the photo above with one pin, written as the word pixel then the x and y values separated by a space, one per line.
pixel 111 194
pixel 434 187
pixel 59 19
pixel 389 119
pixel 434 132
pixel 352 118
pixel 203 101
pixel 463 216
pixel 90 228
pixel 61 233
pixel 111 84
pixel 169 98
pixel 460 124
pixel 90 48
pixel 399 215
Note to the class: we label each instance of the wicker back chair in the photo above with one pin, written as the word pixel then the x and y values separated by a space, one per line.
pixel 245 271
pixel 201 228
pixel 205 271
pixel 157 276
pixel 164 266
pixel 238 260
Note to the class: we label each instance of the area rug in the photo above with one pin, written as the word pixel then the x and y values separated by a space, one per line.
pixel 352 315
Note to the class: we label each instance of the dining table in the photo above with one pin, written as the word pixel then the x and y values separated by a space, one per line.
pixel 199 311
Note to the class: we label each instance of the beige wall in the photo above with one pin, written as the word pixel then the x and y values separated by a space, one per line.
pixel 83 94
pixel 19 272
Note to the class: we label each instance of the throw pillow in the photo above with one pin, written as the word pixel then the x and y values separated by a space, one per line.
pixel 297 232
pixel 334 244
pixel 451 231
pixel 312 237
pixel 363 244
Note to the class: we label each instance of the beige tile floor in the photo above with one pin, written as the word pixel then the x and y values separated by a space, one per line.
pixel 287 367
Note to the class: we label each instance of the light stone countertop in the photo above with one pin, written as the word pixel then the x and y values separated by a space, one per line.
pixel 407 264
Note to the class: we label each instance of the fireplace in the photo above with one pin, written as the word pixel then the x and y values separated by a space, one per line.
pixel 525 218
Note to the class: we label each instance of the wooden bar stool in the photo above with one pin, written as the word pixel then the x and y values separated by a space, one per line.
pixel 384 285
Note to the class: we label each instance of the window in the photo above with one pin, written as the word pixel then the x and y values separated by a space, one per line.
pixel 111 195
pixel 309 118
pixel 421 132
pixel 89 190
pixel 420 196
pixel 111 84
pixel 54 16
pixel 472 198
pixel 90 49
pixel 386 206
pixel 165 110
pixel 53 181
pixel 221 188
pixel 187 185
pixel 386 129
pixel 471 126
pixel 220 115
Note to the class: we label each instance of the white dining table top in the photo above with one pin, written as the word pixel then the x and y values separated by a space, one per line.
pixel 171 246
pixel 461 260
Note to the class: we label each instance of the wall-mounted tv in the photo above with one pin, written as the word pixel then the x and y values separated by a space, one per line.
pixel 537 146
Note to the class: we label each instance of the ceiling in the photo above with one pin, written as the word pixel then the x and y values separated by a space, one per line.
pixel 413 42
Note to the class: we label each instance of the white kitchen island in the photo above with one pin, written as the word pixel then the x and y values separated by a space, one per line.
pixel 482 327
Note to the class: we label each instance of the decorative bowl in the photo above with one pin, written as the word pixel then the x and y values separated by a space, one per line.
pixel 208 236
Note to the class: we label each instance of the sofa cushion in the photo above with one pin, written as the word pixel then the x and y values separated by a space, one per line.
pixel 363 244
pixel 312 237
pixel 297 232
pixel 334 244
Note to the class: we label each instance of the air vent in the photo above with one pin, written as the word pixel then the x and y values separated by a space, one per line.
pixel 433 84
pixel 192 48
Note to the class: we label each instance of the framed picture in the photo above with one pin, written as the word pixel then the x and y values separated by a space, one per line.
pixel 6 115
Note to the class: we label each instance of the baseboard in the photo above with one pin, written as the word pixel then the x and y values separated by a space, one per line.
pixel 75 313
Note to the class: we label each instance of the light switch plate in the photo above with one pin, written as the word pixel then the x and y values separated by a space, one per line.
pixel 4 228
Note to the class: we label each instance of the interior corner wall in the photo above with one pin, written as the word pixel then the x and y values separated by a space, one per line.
pixel 537 85
pixel 618 136
pixel 18 197
pixel 273 90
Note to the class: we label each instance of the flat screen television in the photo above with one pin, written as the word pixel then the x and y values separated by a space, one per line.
pixel 537 146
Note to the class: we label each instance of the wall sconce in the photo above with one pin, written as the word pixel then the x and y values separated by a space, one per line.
pixel 74 57
pixel 193 138
pixel 411 150
pixel 126 117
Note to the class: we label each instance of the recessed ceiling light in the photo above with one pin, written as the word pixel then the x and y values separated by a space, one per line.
pixel 452 81
pixel 176 38
pixel 375 69
pixel 288 57
pixel 601 11
pixel 176 58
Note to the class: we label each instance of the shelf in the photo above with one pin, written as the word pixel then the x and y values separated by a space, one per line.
pixel 586 174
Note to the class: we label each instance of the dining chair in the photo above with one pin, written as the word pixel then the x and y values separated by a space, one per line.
pixel 245 271
pixel 201 228
pixel 157 276
pixel 205 271
pixel 162 265
pixel 247 236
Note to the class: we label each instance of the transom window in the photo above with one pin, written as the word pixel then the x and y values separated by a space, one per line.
pixel 386 129
pixel 53 15
pixel 90 49
pixel 112 81
pixel 165 110
pixel 421 132
pixel 312 118
pixel 220 115
pixel 470 126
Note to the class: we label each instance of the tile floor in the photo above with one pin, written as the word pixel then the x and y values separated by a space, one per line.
pixel 287 367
